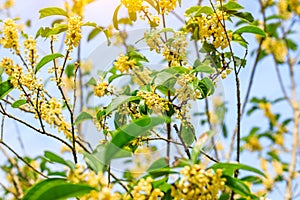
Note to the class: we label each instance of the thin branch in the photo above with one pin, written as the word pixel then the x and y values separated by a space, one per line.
pixel 22 159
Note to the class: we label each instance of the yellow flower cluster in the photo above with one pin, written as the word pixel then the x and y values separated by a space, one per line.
pixel 154 102
pixel 10 38
pixel 211 29
pixel 48 110
pixel 186 92
pixel 144 190
pixel 133 6
pixel 175 51
pixel 51 112
pixel 153 40
pixel 73 34
pixel 197 183
pixel 167 6
pixel 8 4
pixel 225 73
pixel 123 64
pixel 80 175
pixel 276 47
pixel 295 6
pixel 30 50
pixel 136 6
pixel 101 88
pixel 78 6
pixel 253 144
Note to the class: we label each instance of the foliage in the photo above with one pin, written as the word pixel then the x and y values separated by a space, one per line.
pixel 155 143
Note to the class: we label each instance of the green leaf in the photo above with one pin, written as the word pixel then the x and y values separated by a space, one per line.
pixel 57 159
pixel 232 5
pixel 83 116
pixel 206 87
pixel 188 133
pixel 5 88
pixel 93 162
pixel 251 29
pixel 246 16
pixel 46 59
pixel 230 168
pixel 204 69
pixel 19 103
pixel 115 103
pixel 158 164
pixel 115 17
pixel 56 188
pixel 239 187
pixel 93 34
pixel 45 12
pixel 127 133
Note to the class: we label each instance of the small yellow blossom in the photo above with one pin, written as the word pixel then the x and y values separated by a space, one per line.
pixel 167 6
pixel 154 101
pixel 197 183
pixel 101 88
pixel 123 64
pixel 10 38
pixel 73 34
pixel 133 6
pixel 210 29
pixel 144 190
pixel 30 50
pixel 276 47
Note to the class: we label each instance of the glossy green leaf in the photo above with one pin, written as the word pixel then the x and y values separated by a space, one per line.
pixel 230 168
pixel 83 116
pixel 47 59
pixel 127 133
pixel 158 164
pixel 251 29
pixel 204 69
pixel 5 88
pixel 56 188
pixel 188 133
pixel 232 5
pixel 57 159
pixel 115 103
pixel 239 187
pixel 45 12
pixel 245 16
pixel 19 103
pixel 206 87
pixel 93 162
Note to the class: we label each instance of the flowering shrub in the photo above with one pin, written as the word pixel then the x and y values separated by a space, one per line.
pixel 162 127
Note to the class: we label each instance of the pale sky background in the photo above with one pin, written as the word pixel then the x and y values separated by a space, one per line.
pixel 101 11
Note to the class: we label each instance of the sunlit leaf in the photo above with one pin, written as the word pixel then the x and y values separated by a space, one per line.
pixel 5 88
pixel 45 12
pixel 56 188
pixel 83 116
pixel 251 29
pixel 115 17
pixel 57 159
pixel 46 60
pixel 19 103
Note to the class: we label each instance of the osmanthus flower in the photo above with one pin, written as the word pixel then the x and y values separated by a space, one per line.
pixel 198 183
pixel 124 64
pixel 96 180
pixel 10 38
pixel 154 102
pixel 101 88
pixel 73 33
pixel 145 191
pixel 8 4
pixel 167 6
pixel 209 28
pixel 30 50
pixel 277 47
pixel 133 6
